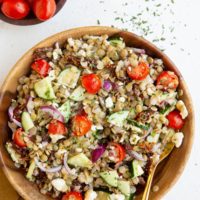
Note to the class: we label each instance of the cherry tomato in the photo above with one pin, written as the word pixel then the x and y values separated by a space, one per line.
pixel 44 9
pixel 81 125
pixel 15 9
pixel 91 82
pixel 175 120
pixel 117 151
pixel 139 72
pixel 57 127
pixel 41 67
pixel 18 138
pixel 72 196
pixel 168 79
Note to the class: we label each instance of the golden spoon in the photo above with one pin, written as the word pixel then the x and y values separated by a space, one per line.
pixel 167 150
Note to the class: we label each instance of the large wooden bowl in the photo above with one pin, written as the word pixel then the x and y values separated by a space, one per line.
pixel 168 172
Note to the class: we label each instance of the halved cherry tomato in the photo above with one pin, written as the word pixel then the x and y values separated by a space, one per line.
pixel 167 79
pixel 81 125
pixel 41 67
pixel 117 151
pixel 175 120
pixel 57 127
pixel 18 138
pixel 72 196
pixel 139 72
pixel 91 82
pixel 44 9
pixel 15 9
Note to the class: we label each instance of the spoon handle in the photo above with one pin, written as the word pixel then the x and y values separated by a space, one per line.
pixel 148 186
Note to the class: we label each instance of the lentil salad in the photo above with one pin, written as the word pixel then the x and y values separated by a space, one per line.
pixel 92 116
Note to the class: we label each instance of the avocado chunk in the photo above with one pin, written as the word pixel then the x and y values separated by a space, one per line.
pixel 69 76
pixel 80 160
pixel 65 110
pixel 124 187
pixel 118 118
pixel 110 177
pixel 27 122
pixel 44 89
pixel 136 169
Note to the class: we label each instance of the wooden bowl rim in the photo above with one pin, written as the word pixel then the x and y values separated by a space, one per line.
pixel 153 48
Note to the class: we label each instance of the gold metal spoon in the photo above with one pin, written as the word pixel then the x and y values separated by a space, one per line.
pixel 167 150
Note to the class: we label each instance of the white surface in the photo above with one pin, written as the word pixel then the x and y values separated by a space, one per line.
pixel 16 40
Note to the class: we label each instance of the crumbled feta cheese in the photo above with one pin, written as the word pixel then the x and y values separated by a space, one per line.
pixel 90 195
pixel 81 53
pixel 109 102
pixel 55 138
pixel 122 99
pixel 117 197
pixel 52 75
pixel 182 108
pixel 177 139
pixel 100 64
pixel 55 55
pixel 59 184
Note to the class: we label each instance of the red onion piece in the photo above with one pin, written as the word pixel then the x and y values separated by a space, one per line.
pixel 11 115
pixel 133 153
pixel 97 153
pixel 107 85
pixel 69 171
pixel 56 114
pixel 139 51
pixel 49 170
pixel 30 104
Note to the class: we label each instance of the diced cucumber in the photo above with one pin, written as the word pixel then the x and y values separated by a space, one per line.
pixel 77 94
pixel 124 187
pixel 110 177
pixel 116 41
pixel 118 118
pixel 27 122
pixel 65 110
pixel 69 76
pixel 31 170
pixel 116 197
pixel 136 169
pixel 138 124
pixel 44 89
pixel 102 196
pixel 80 160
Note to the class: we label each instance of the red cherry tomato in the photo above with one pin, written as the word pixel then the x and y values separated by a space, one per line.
pixel 175 120
pixel 15 9
pixel 139 72
pixel 57 127
pixel 81 125
pixel 72 196
pixel 168 79
pixel 18 138
pixel 41 67
pixel 117 151
pixel 44 9
pixel 91 82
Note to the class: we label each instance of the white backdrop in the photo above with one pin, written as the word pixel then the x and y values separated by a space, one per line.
pixel 182 16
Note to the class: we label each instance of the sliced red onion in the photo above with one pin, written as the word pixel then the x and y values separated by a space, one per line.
pixel 30 104
pixel 147 133
pixel 135 155
pixel 69 171
pixel 139 51
pixel 97 153
pixel 56 114
pixel 107 85
pixel 49 170
pixel 11 115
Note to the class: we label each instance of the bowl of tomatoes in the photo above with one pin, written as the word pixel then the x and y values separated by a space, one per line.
pixel 29 12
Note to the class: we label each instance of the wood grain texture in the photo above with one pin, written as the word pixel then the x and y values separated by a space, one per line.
pixel 168 171
pixel 30 19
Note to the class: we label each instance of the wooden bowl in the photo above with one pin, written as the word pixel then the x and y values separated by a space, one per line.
pixel 170 169
pixel 31 18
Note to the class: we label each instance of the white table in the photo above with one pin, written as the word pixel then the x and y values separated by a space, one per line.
pixel 16 40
